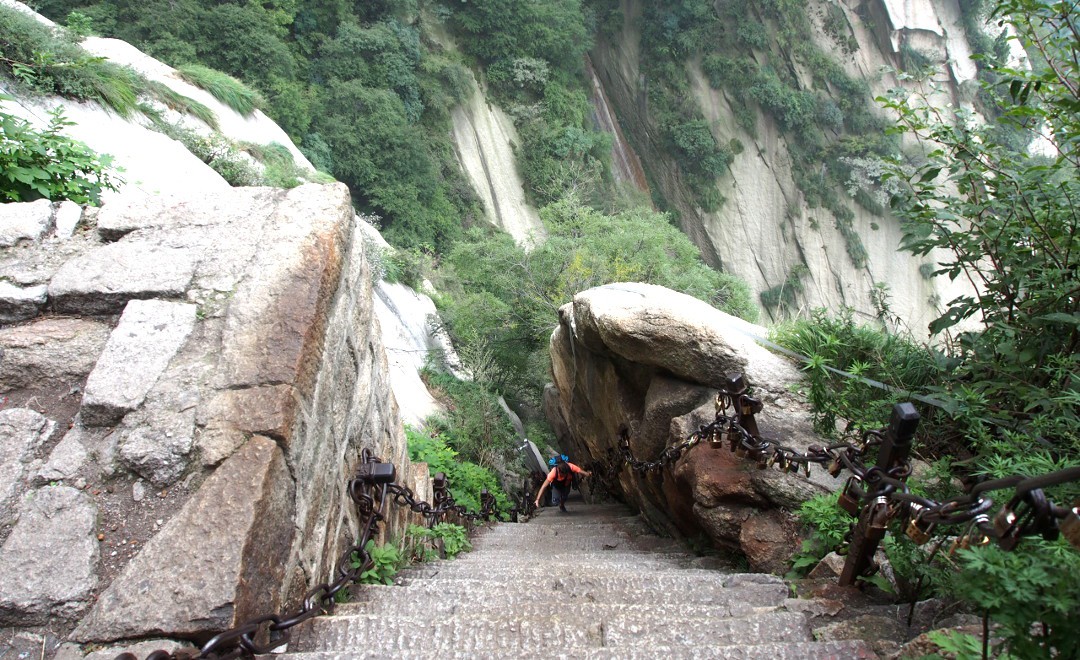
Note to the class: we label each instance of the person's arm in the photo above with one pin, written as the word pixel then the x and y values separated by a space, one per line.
pixel 575 468
pixel 547 482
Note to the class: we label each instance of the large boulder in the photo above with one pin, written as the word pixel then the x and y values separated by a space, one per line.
pixel 649 360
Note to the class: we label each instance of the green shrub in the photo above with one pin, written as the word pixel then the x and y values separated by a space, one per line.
pixel 279 169
pixel 465 479
pixel 223 87
pixel 47 164
pixel 386 560
pixel 828 524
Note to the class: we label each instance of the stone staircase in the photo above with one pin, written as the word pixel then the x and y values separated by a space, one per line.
pixel 591 583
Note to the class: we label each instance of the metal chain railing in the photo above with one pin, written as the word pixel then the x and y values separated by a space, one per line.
pixel 370 489
pixel 877 494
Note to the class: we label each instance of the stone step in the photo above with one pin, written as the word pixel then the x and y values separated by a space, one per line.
pixel 735 607
pixel 634 589
pixel 480 634
pixel 539 574
pixel 838 650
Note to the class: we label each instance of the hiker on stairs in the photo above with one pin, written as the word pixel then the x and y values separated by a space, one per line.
pixel 560 478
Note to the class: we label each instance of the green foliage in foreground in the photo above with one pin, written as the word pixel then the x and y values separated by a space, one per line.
pixel 48 63
pixel 223 87
pixel 504 301
pixel 386 560
pixel 465 479
pixel 49 165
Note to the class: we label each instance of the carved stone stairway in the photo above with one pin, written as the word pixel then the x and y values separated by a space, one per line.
pixel 591 583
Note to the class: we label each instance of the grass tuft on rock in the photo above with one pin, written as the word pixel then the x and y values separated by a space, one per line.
pixel 223 87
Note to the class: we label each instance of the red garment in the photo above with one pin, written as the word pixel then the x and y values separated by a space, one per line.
pixel 555 476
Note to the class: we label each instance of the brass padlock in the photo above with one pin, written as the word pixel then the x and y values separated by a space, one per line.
pixel 1006 528
pixel 761 457
pixel 918 530
pixel 740 450
pixel 848 502
pixel 806 469
pixel 972 537
pixel 1070 527
pixel 878 522
pixel 733 437
pixel 716 438
pixel 835 467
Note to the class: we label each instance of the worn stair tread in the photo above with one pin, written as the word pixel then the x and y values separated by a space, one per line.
pixel 535 574
pixel 630 589
pixel 834 650
pixel 506 631
pixel 734 608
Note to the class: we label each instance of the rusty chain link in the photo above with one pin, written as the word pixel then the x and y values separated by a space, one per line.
pixel 876 494
pixel 370 490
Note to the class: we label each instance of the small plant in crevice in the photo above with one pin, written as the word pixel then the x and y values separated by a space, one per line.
pixel 828 524
pixel 386 560
pixel 453 538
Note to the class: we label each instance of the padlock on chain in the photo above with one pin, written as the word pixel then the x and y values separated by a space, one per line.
pixel 760 456
pixel 733 437
pixel 917 529
pixel 878 522
pixel 835 467
pixel 1024 515
pixel 1070 526
pixel 848 501
pixel 972 536
pixel 716 438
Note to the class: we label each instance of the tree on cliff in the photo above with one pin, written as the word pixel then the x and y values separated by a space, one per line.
pixel 1011 221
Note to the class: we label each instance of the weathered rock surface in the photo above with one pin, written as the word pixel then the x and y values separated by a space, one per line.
pixel 242 380
pixel 66 459
pixel 647 359
pixel 22 432
pixel 204 567
pixel 26 224
pixel 766 231
pixel 149 334
pixel 105 279
pixel 50 350
pixel 20 303
pixel 47 563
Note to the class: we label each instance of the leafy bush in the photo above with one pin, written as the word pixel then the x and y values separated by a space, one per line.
pixel 385 562
pixel 828 524
pixel 223 87
pixel 50 165
pixel 465 479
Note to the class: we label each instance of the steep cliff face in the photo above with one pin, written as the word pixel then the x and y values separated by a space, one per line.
pixel 765 230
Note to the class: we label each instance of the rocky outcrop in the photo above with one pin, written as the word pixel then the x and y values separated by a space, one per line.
pixel 765 231
pixel 650 360
pixel 203 374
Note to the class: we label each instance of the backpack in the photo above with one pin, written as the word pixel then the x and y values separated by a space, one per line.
pixel 555 460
